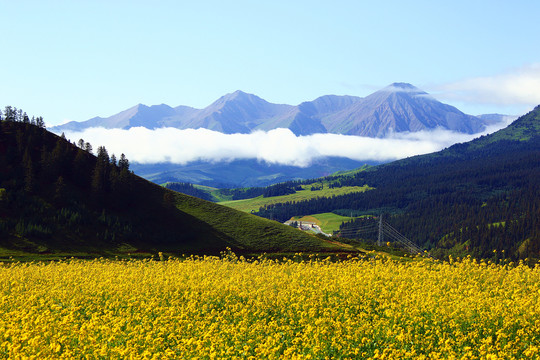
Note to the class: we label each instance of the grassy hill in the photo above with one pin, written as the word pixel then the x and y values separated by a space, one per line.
pixel 58 198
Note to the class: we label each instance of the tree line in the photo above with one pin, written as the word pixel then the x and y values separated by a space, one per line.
pixel 12 114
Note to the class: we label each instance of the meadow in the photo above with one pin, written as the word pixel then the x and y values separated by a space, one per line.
pixel 249 205
pixel 328 222
pixel 296 308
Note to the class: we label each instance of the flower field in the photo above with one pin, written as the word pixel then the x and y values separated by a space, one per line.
pixel 234 308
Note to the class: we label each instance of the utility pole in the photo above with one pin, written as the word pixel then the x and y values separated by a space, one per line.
pixel 380 240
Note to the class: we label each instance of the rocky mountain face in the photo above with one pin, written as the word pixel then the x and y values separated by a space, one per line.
pixel 399 107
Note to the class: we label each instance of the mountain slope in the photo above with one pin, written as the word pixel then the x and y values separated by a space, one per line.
pixel 399 107
pixel 236 113
pixel 152 117
pixel 56 197
pixel 472 198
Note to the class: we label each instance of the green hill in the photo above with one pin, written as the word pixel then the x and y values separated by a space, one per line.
pixel 458 191
pixel 56 197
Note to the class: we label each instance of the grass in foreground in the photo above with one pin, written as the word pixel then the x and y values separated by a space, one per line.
pixel 248 205
pixel 226 308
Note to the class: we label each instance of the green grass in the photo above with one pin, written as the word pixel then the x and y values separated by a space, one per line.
pixel 525 128
pixel 352 172
pixel 251 233
pixel 249 205
pixel 328 222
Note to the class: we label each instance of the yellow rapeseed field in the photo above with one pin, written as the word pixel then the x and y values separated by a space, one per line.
pixel 233 308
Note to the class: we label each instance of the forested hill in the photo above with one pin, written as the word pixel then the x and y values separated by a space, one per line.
pixel 56 196
pixel 472 198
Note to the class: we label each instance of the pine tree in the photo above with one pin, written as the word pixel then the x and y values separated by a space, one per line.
pixel 123 163
pixel 88 147
pixel 101 175
pixel 9 113
pixel 40 123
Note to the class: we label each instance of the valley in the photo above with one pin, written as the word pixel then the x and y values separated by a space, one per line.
pixel 58 197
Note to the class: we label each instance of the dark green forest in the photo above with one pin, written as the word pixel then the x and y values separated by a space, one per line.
pixel 188 189
pixel 479 198
pixel 59 195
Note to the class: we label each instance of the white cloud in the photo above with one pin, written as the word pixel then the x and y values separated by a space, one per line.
pixel 517 86
pixel 279 146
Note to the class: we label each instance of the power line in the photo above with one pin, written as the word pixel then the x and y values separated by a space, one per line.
pixel 383 228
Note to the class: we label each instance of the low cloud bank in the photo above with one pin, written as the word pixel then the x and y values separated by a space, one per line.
pixel 279 146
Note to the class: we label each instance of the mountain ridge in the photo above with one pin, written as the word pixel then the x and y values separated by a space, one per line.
pixel 399 107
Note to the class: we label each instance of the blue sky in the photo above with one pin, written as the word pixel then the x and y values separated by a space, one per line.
pixel 73 60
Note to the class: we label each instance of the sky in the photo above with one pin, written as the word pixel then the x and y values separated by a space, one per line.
pixel 74 60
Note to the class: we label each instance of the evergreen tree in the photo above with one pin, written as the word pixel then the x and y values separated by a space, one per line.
pixel 123 163
pixel 40 123
pixel 9 113
pixel 88 147
pixel 80 164
pixel 103 155
pixel 101 175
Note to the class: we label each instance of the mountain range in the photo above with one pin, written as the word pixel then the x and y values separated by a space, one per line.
pixel 399 107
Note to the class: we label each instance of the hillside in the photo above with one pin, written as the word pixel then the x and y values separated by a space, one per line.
pixel 472 198
pixel 56 197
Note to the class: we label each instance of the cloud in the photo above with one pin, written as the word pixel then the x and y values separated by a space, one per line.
pixel 517 86
pixel 279 146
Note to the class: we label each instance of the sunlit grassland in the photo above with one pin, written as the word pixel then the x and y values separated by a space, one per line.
pixel 251 233
pixel 327 221
pixel 234 308
pixel 248 205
